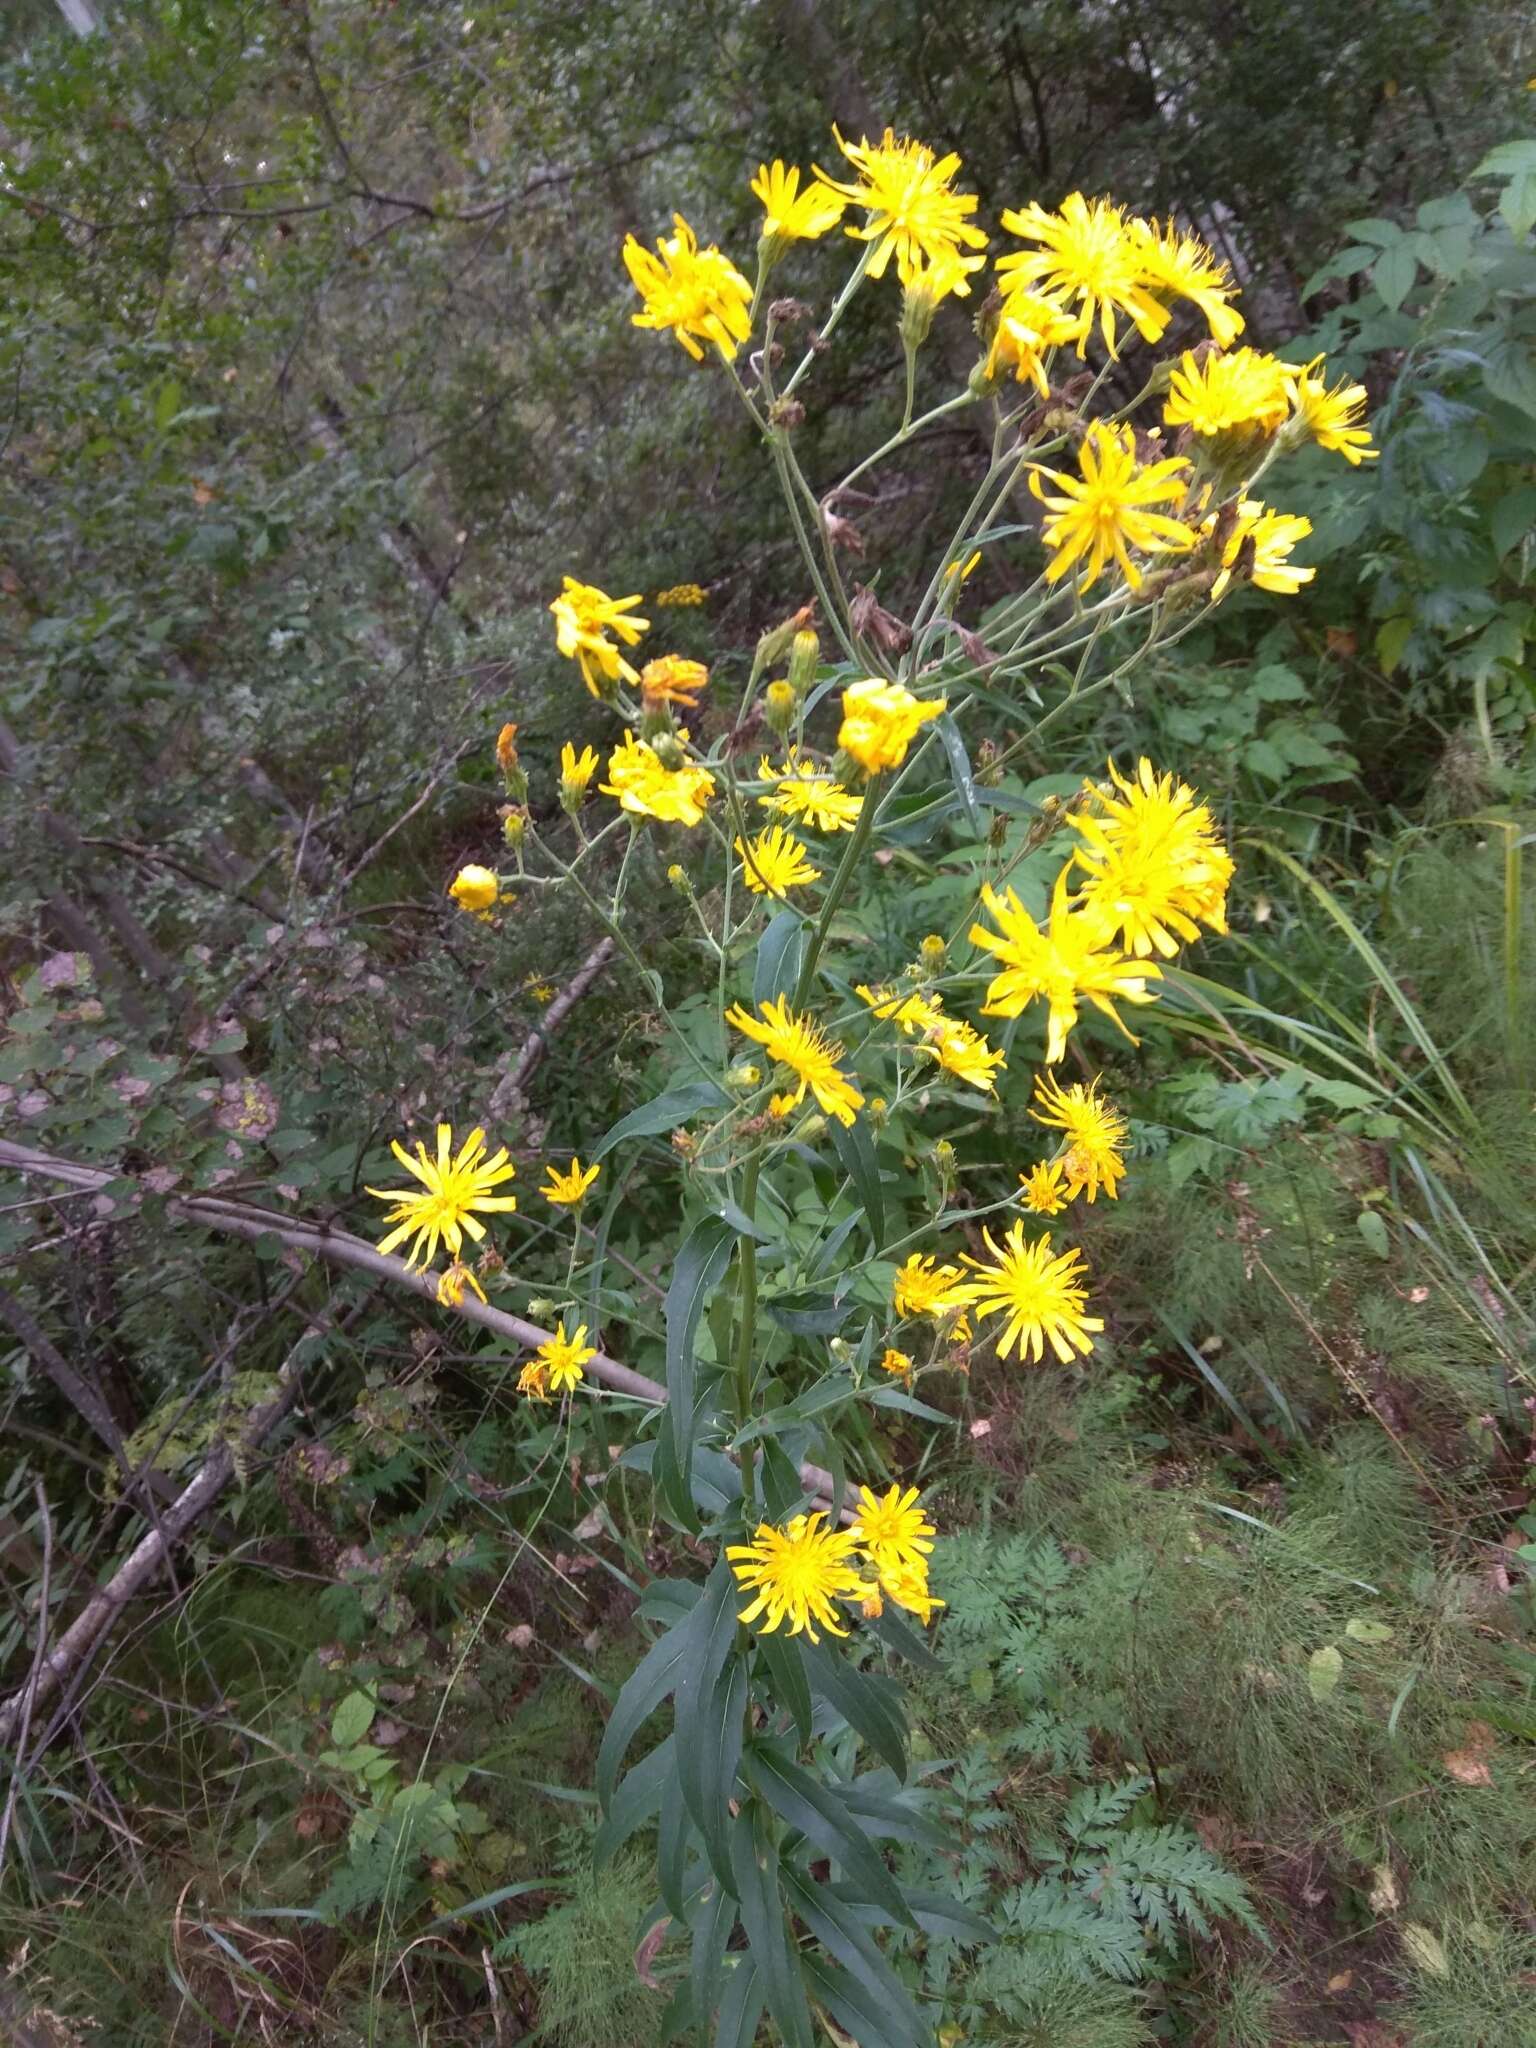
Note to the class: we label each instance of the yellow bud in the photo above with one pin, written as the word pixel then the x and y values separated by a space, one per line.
pixel 933 952
pixel 745 1077
pixel 779 707
pixel 514 824
pixel 677 876
pixel 803 657
pixel 878 1110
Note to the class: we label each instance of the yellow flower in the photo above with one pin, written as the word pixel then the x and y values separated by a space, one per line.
pixel 779 1106
pixel 682 594
pixel 1045 1191
pixel 673 680
pixel 897 1363
pixel 801 1045
pixel 1088 255
pixel 569 1188
pixel 789 214
pixel 451 1285
pixel 475 888
pixel 1245 390
pixel 809 793
pixel 922 1287
pixel 1273 535
pixel 1176 265
pixel 949 272
pixel 961 1050
pixel 797 1572
pixel 961 572
pixel 647 788
pixel 908 1587
pixel 894 1530
pixel 1070 959
pixel 543 991
pixel 584 617
pixel 1029 326
pixel 775 861
pixel 881 720
pixel 1041 1293
pixel 1332 418
pixel 1095 519
pixel 562 1358
pixel 1154 861
pixel 912 1012
pixel 1094 1131
pixel 697 293
pixel 576 771
pixel 904 191
pixel 456 1185
pixel 531 1381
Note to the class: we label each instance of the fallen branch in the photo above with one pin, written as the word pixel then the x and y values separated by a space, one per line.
pixel 508 1096
pixel 247 1220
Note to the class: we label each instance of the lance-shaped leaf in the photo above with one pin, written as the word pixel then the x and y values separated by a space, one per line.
pixel 825 1821
pixel 867 1701
pixel 705 1254
pixel 636 1800
pixel 837 1927
pixel 755 1866
pixel 665 1113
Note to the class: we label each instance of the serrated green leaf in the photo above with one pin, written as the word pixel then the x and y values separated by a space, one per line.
pixel 1382 233
pixel 1513 517
pixel 1372 1226
pixel 1393 273
pixel 352 1719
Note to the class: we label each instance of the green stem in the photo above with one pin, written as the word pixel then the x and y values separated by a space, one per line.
pixel 836 314
pixel 746 1314
pixel 858 840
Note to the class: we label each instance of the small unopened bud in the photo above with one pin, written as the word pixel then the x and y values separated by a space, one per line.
pixel 779 706
pixel 514 781
pixel 946 1164
pixel 489 1263
pixel 514 823
pixel 788 413
pixel 540 1309
pixel 878 1111
pixel 840 1348
pixel 777 641
pixel 655 719
pixel 997 831
pixel 933 952
pixel 669 750
pixel 746 1076
pixel 986 770
pixel 812 1129
pixel 804 654
pixel 677 877
pixel 685 1145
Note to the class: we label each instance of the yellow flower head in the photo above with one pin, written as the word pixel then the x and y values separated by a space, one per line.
pixel 1029 326
pixel 451 1285
pixel 961 1050
pixel 647 788
pixel 797 1573
pixel 1094 1132
pixel 775 861
pixel 531 1381
pixel 1153 860
pixel 808 793
pixel 474 888
pixel 949 272
pixel 454 1186
pixel 697 293
pixel 907 1585
pixel 1272 536
pixel 911 212
pixel 584 617
pixel 1096 518
pixel 894 1530
pixel 1174 265
pixel 790 215
pixel 576 770
pixel 1332 418
pixel 1045 1189
pixel 1086 255
pixel 801 1045
pixel 897 1363
pixel 1041 1294
pixel 779 1106
pixel 567 1189
pixel 673 680
pixel 1071 959
pixel 1243 391
pixel 922 1287
pixel 562 1358
pixel 910 1011
pixel 881 720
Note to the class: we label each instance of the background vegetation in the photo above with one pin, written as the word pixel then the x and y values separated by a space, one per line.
pixel 315 375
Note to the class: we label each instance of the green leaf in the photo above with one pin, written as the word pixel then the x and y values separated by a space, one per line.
pixel 1508 159
pixel 936 1914
pixel 783 1659
pixel 709 1704
pixel 810 1314
pixel 352 1719
pixel 755 1866
pixel 674 1832
pixel 796 1797
pixel 1394 272
pixel 1361 1630
pixel 888 2014
pixel 641 1694
pixel 780 955
pixel 1264 759
pixel 700 1263
pixel 1383 233
pixel 960 772
pixel 711 1921
pixel 664 1113
pixel 1359 256
pixel 1372 1226
pixel 1392 636
pixel 1513 517
pixel 1325 1667
pixel 1517 203
pixel 636 1800
pixel 856 1154
pixel 869 1702
pixel 741 2009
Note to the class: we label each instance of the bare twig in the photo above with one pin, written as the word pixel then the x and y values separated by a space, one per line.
pixel 510 1089
pixel 29 1692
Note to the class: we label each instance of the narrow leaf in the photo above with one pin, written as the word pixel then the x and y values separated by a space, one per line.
pixel 755 1866
pixel 868 1702
pixel 856 1154
pixel 703 1258
pixel 798 1798
pixel 665 1113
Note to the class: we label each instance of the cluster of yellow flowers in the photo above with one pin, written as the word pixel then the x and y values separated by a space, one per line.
pixel 800 1572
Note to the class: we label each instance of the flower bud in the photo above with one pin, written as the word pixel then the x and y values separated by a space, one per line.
pixel 812 1129
pixel 987 772
pixel 878 1111
pixel 514 823
pixel 746 1076
pixel 513 778
pixel 669 749
pixel 946 1165
pixel 677 877
pixel 776 642
pixel 933 953
pixel 804 654
pixel 779 706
